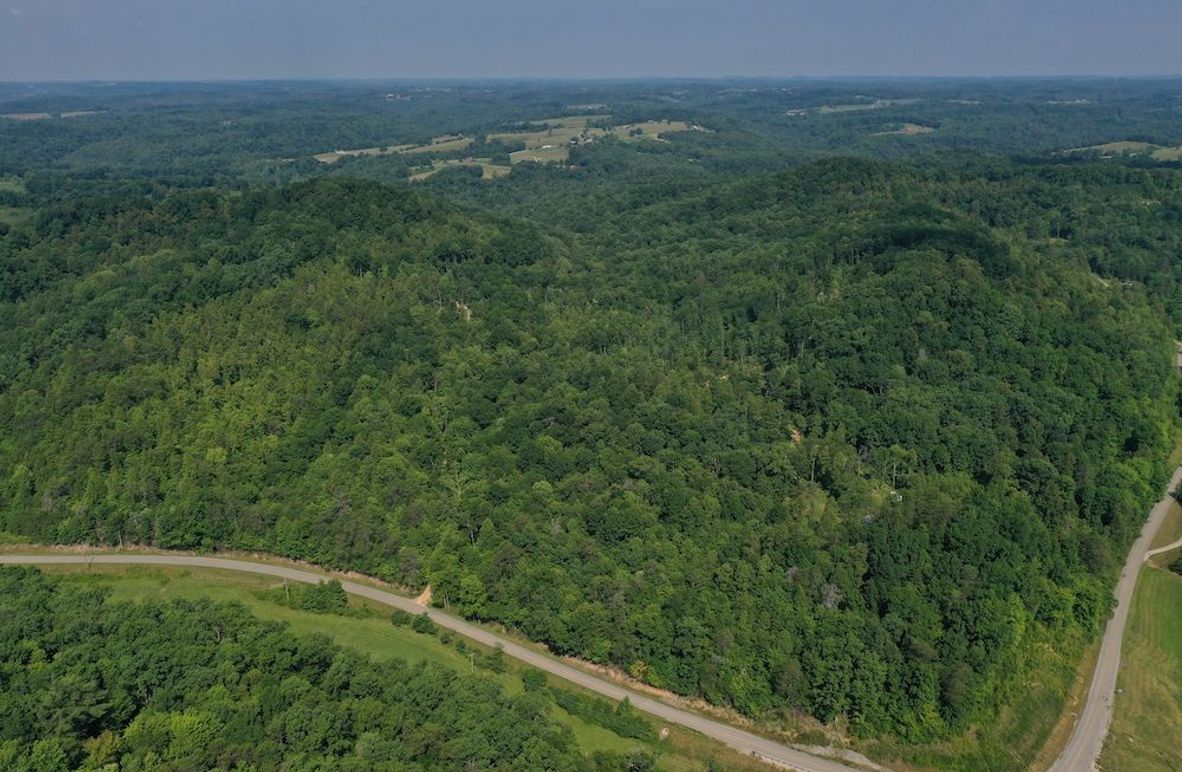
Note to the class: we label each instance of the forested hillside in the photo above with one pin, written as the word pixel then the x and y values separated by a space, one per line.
pixel 854 439
pixel 185 685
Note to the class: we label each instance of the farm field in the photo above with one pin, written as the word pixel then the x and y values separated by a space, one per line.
pixel 1130 148
pixel 549 143
pixel 1147 716
pixel 369 631
pixel 488 169
pixel 877 104
pixel 908 130
pixel 552 145
pixel 442 144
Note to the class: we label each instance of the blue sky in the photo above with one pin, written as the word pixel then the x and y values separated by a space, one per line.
pixel 206 39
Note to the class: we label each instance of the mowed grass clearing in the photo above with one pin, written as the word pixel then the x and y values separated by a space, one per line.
pixel 552 144
pixel 373 634
pixel 1171 528
pixel 488 170
pixel 443 144
pixel 549 142
pixel 1130 148
pixel 1147 714
pixel 908 130
pixel 877 104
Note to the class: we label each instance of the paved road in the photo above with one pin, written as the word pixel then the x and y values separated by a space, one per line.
pixel 1083 749
pixel 745 742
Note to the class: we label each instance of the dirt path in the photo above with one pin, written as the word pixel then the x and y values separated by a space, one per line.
pixel 1160 550
pixel 745 742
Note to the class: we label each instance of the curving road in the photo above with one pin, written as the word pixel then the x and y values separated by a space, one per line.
pixel 1087 740
pixel 759 747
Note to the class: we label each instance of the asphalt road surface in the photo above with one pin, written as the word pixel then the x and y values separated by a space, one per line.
pixel 758 747
pixel 1083 749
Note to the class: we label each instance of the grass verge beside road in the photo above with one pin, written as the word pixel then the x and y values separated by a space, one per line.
pixel 1147 716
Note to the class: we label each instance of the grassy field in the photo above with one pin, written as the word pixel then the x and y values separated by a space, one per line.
pixel 1171 528
pixel 908 130
pixel 877 104
pixel 488 170
pixel 444 144
pixel 1147 716
pixel 373 634
pixel 1111 149
pixel 542 155
pixel 550 143
pixel 12 184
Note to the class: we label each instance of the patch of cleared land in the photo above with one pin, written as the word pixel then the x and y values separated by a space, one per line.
pixel 47 116
pixel 1147 714
pixel 12 184
pixel 877 104
pixel 908 130
pixel 443 144
pixel 869 104
pixel 571 121
pixel 372 634
pixel 547 140
pixel 1170 531
pixel 1128 148
pixel 488 170
pixel 553 144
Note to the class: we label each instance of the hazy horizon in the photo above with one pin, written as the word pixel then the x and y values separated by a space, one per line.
pixel 221 40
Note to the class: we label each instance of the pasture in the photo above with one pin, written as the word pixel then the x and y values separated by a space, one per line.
pixel 1147 716
pixel 488 170
pixel 546 140
pixel 443 144
pixel 552 144
pixel 877 104
pixel 1132 148
pixel 907 130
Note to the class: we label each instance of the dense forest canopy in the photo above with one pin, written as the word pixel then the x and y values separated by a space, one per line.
pixel 852 436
